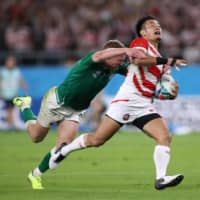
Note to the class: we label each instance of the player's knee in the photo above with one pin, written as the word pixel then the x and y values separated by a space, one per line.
pixel 37 139
pixel 37 135
pixel 165 139
pixel 168 138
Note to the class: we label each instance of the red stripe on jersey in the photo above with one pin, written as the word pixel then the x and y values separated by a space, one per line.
pixel 126 72
pixel 115 101
pixel 146 83
pixel 139 42
pixel 137 85
pixel 155 71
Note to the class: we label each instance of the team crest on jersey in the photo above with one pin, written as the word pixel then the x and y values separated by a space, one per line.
pixel 126 117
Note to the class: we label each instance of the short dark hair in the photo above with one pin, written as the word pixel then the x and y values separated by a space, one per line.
pixel 113 44
pixel 141 22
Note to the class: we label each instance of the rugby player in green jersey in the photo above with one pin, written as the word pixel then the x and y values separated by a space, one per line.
pixel 65 103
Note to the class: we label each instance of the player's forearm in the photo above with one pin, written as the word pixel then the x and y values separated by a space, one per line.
pixel 149 61
pixel 108 53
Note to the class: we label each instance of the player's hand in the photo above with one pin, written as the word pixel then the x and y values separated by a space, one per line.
pixel 176 62
pixel 136 53
pixel 180 62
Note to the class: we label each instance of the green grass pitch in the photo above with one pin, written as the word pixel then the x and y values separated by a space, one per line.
pixel 120 170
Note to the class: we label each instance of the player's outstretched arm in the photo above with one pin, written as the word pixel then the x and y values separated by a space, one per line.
pixel 149 61
pixel 102 55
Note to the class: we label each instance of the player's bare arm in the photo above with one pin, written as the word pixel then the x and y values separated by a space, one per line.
pixel 112 52
pixel 149 61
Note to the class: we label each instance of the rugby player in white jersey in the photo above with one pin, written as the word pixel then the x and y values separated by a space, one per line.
pixel 133 104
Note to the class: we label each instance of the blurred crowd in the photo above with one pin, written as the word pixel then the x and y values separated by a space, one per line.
pixel 75 27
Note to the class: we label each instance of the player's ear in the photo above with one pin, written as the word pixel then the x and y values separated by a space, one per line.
pixel 142 32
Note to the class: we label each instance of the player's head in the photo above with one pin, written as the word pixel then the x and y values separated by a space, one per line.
pixel 149 28
pixel 10 61
pixel 113 44
pixel 117 60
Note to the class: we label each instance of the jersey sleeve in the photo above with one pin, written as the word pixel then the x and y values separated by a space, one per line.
pixel 139 43
pixel 88 57
pixel 86 60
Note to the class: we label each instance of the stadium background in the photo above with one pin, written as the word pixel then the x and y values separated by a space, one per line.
pixel 48 36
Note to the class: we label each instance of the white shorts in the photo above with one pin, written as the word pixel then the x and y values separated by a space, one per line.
pixel 127 110
pixel 51 111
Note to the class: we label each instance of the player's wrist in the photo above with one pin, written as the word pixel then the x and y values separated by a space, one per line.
pixel 171 61
pixel 161 61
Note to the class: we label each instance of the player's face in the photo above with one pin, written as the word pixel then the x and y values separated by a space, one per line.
pixel 10 62
pixel 152 30
pixel 115 61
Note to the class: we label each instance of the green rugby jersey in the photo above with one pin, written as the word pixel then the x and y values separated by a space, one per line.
pixel 84 81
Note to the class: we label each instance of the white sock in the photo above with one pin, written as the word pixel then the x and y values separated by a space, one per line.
pixel 78 143
pixel 161 159
pixel 36 172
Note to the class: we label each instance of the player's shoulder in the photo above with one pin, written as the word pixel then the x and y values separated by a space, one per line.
pixel 85 62
pixel 139 42
pixel 86 58
pixel 88 55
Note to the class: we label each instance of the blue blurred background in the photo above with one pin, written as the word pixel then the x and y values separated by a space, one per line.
pixel 182 114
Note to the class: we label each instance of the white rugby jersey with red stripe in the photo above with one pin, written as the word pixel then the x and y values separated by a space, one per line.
pixel 141 80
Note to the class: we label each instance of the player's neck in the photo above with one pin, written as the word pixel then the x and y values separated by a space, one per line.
pixel 154 43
